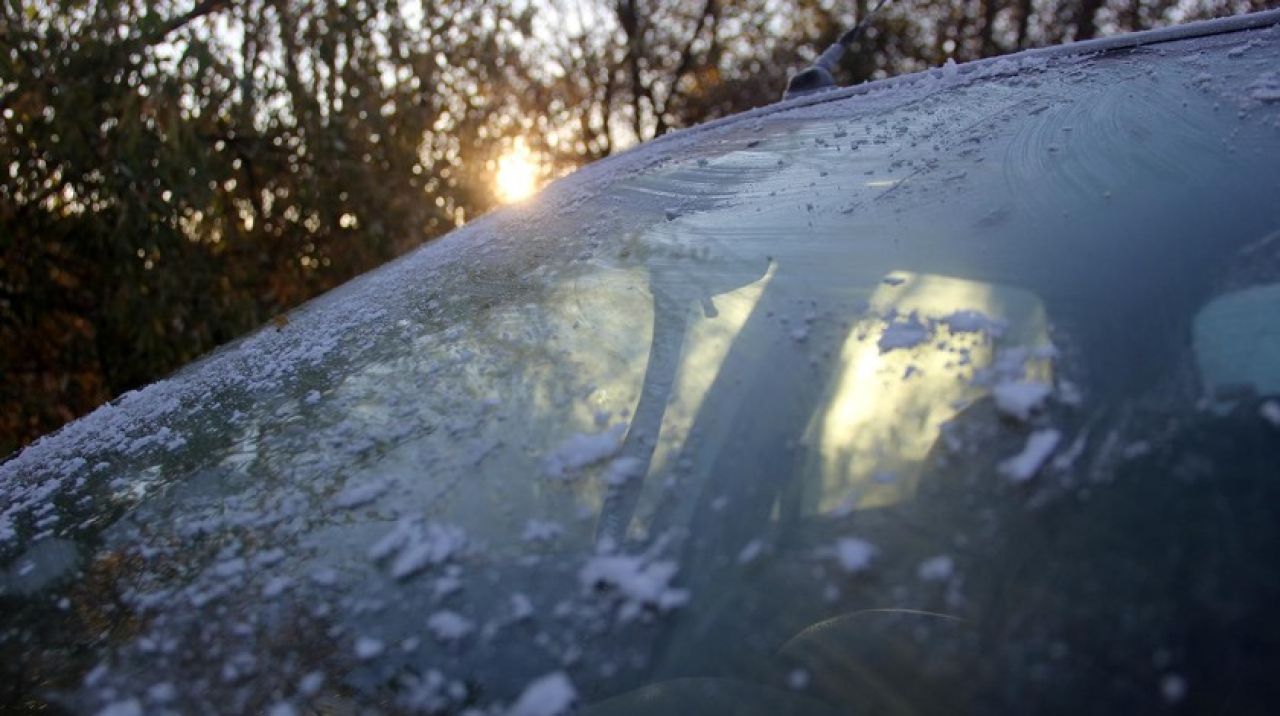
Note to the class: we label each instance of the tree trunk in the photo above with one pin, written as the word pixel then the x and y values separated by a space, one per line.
pixel 1087 19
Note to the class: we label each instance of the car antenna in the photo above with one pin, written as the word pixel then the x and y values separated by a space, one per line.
pixel 819 76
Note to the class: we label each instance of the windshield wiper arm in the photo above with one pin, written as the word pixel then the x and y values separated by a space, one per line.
pixel 821 74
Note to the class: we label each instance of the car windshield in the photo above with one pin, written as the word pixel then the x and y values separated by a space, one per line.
pixel 952 395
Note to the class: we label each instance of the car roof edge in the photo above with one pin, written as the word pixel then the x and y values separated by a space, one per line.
pixel 1201 28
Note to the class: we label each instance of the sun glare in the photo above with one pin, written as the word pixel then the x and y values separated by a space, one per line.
pixel 517 175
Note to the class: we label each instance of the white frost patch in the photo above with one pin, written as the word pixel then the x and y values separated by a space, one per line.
pixel 638 583
pixel 311 684
pixel 368 648
pixel 269 557
pixel 750 552
pixel 162 693
pixel 550 695
pixel 1020 398
pixel 96 675
pixel 276 586
pixel 936 569
pixel 360 494
pixel 1069 393
pixel 973 322
pixel 1135 450
pixel 1173 688
pixel 1067 458
pixel 431 693
pixel 449 626
pixel 584 449
pixel 128 707
pixel 325 577
pixel 283 708
pixel 1266 92
pixel 950 70
pixel 1026 464
pixel 798 679
pixel 908 333
pixel 623 470
pixel 1011 364
pixel 230 568
pixel 854 555
pixel 541 531
pixel 1270 412
pixel 521 607
pixel 417 546
pixel 447 584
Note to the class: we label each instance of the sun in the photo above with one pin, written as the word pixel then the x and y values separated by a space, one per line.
pixel 517 175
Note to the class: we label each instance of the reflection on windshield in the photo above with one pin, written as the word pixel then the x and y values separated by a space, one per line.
pixel 705 346
pixel 904 371
pixel 1237 343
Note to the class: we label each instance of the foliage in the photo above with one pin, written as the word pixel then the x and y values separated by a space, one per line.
pixel 176 172
pixel 177 177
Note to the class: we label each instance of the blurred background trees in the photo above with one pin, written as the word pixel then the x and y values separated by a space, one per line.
pixel 174 173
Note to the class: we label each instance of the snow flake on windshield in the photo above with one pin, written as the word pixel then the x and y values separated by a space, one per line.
pixel 1024 466
pixel 162 693
pixel 449 626
pixel 368 648
pixel 623 469
pixel 969 321
pixel 413 546
pixel 1266 88
pixel 1020 398
pixel 310 684
pixel 854 555
pixel 362 494
pixel 276 586
pixel 129 707
pixel 750 551
pixel 431 693
pixel 950 70
pixel 903 333
pixel 1173 688
pixel 912 330
pixel 521 607
pixel 636 583
pixel 583 450
pixel 230 568
pixel 936 569
pixel 541 531
pixel 550 695
pixel 1270 411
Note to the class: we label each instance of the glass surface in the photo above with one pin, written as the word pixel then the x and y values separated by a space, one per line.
pixel 949 397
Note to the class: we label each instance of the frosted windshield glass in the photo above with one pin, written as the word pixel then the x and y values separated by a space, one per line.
pixel 892 402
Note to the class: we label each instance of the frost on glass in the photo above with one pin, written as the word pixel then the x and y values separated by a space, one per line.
pixel 929 399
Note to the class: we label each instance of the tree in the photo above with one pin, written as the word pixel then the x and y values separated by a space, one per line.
pixel 177 176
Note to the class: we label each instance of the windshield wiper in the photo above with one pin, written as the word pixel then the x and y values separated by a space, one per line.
pixel 820 75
